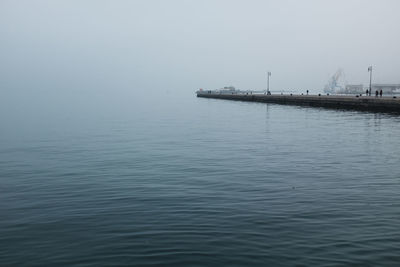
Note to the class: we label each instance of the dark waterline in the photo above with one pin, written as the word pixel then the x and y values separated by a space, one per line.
pixel 200 182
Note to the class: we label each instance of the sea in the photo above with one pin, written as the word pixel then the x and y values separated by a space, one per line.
pixel 170 179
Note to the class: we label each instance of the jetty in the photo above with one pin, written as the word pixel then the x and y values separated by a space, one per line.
pixel 357 102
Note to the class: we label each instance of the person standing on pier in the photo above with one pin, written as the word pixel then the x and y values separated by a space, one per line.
pixel 376 93
pixel 380 92
pixel 366 92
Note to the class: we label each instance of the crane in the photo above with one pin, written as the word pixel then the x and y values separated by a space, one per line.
pixel 332 86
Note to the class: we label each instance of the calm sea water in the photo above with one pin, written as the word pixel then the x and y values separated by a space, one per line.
pixel 191 181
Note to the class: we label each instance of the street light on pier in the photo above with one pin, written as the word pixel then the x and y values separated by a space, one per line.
pixel 370 79
pixel 268 75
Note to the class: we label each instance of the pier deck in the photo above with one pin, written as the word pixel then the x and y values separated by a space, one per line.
pixel 368 103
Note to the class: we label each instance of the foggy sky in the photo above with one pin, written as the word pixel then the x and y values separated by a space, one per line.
pixel 99 47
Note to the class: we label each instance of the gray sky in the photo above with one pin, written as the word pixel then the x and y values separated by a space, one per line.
pixel 97 47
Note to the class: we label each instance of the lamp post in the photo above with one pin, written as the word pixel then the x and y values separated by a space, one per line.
pixel 370 79
pixel 268 74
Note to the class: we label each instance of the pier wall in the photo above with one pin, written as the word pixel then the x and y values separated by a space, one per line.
pixel 371 103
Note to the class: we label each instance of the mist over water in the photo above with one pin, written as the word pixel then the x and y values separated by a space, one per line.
pixel 108 158
pixel 183 180
pixel 92 47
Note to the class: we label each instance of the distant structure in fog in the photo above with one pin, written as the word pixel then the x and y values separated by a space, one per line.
pixel 227 89
pixel 353 89
pixel 338 85
pixel 335 83
pixel 388 89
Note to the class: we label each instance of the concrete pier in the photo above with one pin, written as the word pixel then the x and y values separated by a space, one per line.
pixel 367 103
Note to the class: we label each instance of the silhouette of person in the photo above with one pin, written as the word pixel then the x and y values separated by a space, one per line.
pixel 380 92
